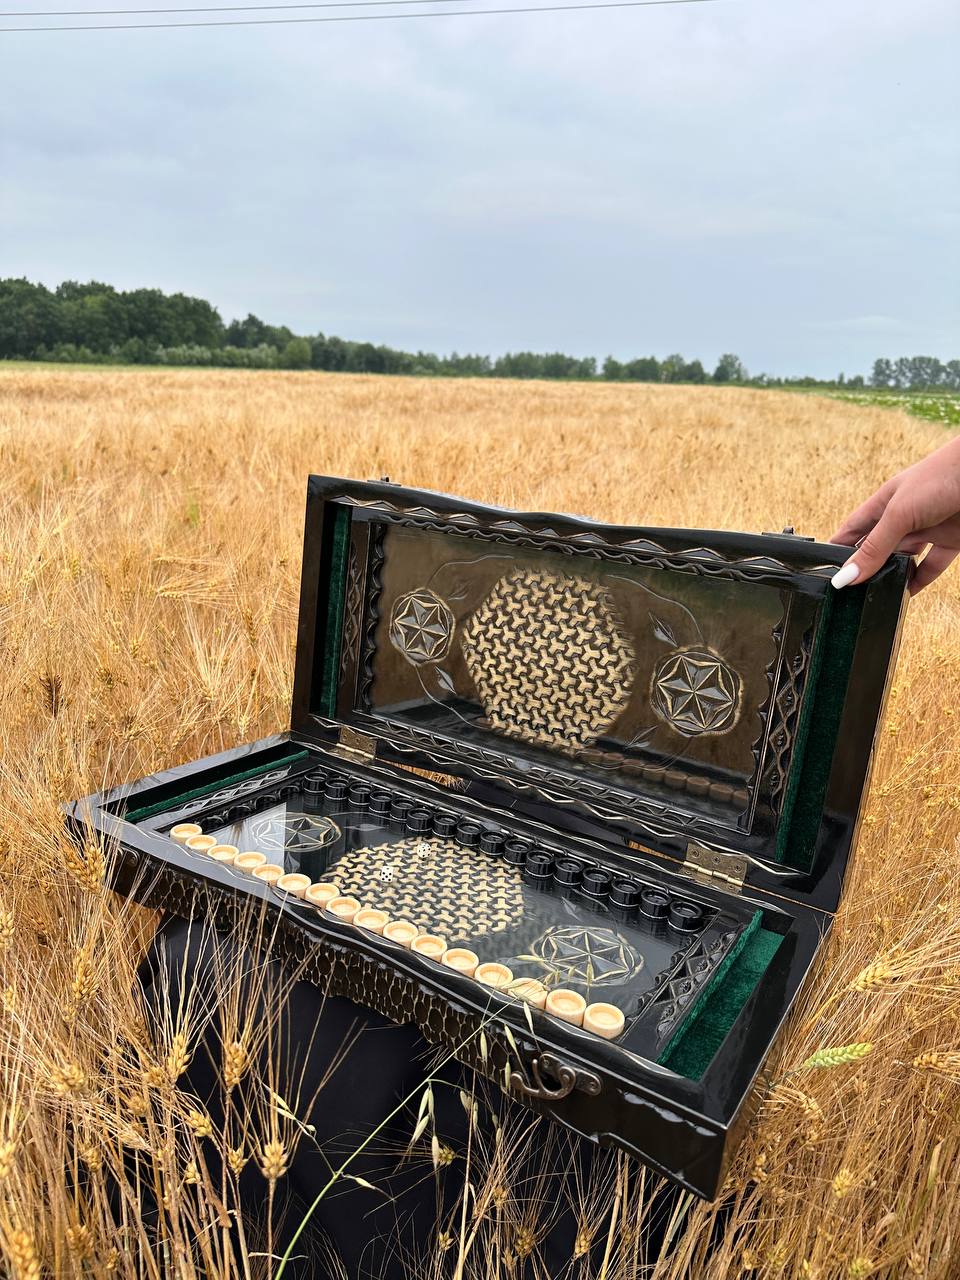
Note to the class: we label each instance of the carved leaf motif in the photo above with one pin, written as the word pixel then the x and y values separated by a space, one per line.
pixel 444 680
pixel 662 631
pixel 642 736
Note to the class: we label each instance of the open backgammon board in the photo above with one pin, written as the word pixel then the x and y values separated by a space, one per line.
pixel 590 791
pixel 524 917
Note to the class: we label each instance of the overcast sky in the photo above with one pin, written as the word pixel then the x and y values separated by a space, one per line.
pixel 778 178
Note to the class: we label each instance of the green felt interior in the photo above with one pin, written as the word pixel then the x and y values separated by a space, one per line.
pixel 817 728
pixel 339 536
pixel 147 811
pixel 705 1027
pixel 703 996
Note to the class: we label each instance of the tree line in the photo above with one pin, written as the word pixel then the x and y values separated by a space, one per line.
pixel 916 373
pixel 96 323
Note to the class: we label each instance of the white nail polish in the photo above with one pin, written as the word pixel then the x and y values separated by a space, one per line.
pixel 843 577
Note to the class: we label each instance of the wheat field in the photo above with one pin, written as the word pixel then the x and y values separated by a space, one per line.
pixel 150 529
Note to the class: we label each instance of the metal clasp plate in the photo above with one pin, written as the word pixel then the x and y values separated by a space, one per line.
pixel 567 1079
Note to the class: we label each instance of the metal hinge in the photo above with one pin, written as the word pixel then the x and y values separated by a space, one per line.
pixel 703 863
pixel 354 745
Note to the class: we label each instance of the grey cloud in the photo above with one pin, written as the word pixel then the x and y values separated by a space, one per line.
pixel 773 180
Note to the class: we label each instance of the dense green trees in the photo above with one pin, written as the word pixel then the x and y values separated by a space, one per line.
pixel 916 373
pixel 297 354
pixel 94 322
pixel 28 318
pixel 96 318
pixel 729 369
pixel 252 332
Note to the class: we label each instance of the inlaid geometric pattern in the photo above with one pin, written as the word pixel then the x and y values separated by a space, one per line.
pixel 421 627
pixel 695 692
pixel 273 833
pixel 352 613
pixel 549 659
pixel 440 886
pixel 584 956
pixel 234 792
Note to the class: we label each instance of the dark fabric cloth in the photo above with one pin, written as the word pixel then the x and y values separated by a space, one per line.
pixel 374 1233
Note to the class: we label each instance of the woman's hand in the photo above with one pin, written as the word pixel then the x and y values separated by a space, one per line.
pixel 920 507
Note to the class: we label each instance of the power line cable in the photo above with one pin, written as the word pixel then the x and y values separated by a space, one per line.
pixel 352 17
pixel 242 8
pixel 222 8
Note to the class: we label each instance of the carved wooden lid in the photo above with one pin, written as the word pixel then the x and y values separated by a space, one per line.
pixel 666 686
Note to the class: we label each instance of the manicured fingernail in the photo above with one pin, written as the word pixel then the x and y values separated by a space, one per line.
pixel 843 577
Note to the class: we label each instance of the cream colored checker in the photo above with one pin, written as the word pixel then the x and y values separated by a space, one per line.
pixel 437 884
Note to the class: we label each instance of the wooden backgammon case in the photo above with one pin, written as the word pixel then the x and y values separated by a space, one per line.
pixel 588 789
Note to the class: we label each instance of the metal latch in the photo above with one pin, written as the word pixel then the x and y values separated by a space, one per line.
pixel 354 745
pixel 703 863
pixel 788 531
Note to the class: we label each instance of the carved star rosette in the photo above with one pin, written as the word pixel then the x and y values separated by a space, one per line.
pixel 304 832
pixel 421 627
pixel 583 955
pixel 696 693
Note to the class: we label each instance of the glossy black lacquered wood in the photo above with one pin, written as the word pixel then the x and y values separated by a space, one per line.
pixel 686 1129
pixel 683 1128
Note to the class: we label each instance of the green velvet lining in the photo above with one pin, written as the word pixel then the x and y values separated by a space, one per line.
pixel 803 725
pixel 336 590
pixel 171 802
pixel 818 726
pixel 720 1002
pixel 703 995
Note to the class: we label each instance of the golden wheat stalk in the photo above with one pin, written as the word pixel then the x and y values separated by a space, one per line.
pixel 143 624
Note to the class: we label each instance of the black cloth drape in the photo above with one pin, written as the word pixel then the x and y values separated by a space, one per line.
pixel 375 1234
